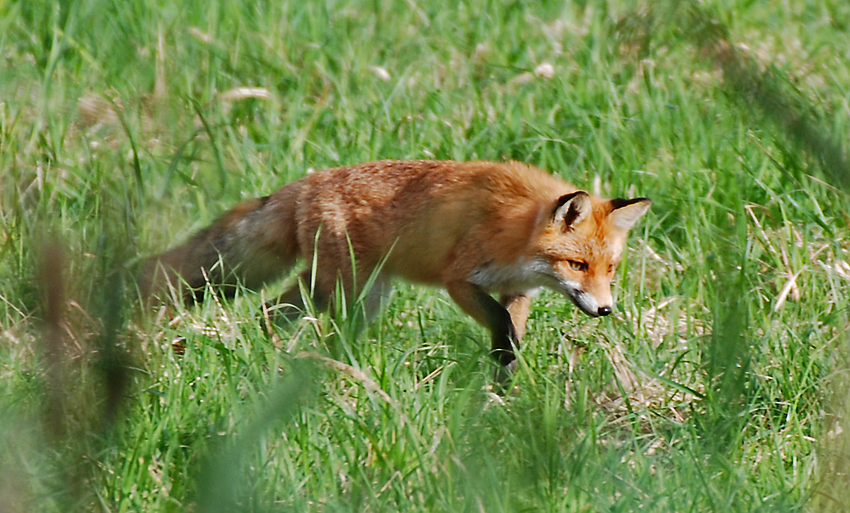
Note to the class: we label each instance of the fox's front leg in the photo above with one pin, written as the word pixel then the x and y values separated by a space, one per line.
pixel 489 313
pixel 517 305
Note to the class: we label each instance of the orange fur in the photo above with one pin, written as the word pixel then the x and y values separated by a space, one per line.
pixel 474 228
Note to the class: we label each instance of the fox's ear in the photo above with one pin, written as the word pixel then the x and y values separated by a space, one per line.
pixel 626 212
pixel 571 209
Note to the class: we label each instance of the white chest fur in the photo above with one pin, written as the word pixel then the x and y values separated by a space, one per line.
pixel 522 276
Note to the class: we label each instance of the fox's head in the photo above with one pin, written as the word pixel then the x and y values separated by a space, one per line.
pixel 582 243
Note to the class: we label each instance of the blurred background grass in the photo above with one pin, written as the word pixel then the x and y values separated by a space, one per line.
pixel 718 385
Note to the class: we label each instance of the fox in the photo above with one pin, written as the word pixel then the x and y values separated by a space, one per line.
pixel 476 229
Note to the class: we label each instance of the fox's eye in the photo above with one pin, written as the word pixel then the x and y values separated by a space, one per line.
pixel 610 268
pixel 577 265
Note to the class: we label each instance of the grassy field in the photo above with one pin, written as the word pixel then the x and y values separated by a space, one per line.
pixel 719 384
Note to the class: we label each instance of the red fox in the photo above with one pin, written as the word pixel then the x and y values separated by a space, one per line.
pixel 474 228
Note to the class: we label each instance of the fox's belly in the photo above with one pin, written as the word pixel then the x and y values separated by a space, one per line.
pixel 425 266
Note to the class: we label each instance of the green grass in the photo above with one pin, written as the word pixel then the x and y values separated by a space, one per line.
pixel 716 386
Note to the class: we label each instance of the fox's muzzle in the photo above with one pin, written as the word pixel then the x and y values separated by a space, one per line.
pixel 588 304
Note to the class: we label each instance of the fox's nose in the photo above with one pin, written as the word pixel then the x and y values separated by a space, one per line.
pixel 604 310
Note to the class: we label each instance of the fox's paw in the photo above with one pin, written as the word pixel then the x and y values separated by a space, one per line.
pixel 503 377
pixel 281 314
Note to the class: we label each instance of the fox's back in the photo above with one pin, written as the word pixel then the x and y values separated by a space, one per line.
pixel 419 212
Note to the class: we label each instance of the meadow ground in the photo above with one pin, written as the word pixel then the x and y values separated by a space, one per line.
pixel 719 384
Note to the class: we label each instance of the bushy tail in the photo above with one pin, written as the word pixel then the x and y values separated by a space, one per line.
pixel 251 244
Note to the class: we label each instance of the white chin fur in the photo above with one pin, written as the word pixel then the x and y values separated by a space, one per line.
pixel 528 275
pixel 586 302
